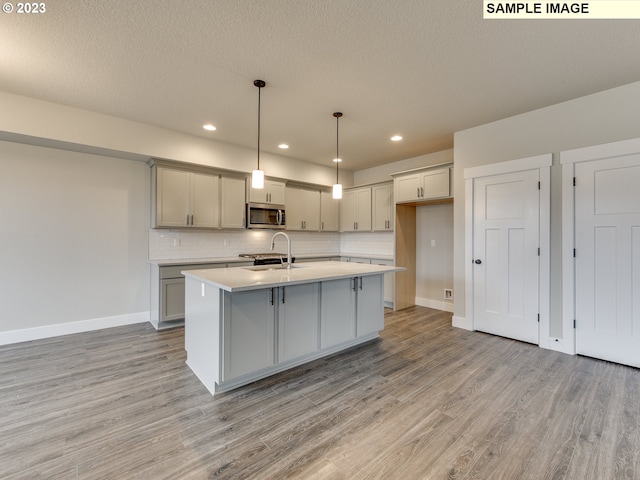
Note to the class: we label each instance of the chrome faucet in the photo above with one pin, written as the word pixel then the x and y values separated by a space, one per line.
pixel 288 246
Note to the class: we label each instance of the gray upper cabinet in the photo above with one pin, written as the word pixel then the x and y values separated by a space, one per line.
pixel 184 199
pixel 273 192
pixel 356 210
pixel 232 206
pixel 329 212
pixel 303 209
pixel 383 207
pixel 422 185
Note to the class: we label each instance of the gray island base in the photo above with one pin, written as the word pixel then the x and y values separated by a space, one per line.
pixel 247 323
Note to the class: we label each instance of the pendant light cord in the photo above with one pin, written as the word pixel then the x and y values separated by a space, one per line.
pixel 259 84
pixel 337 149
pixel 259 89
pixel 337 115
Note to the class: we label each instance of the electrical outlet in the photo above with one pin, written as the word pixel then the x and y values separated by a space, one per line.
pixel 433 243
pixel 225 242
pixel 176 242
pixel 448 294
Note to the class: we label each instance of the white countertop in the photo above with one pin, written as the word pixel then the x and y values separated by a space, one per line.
pixel 237 279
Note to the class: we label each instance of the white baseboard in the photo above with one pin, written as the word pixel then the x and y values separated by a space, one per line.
pixel 48 331
pixel 438 305
pixel 462 322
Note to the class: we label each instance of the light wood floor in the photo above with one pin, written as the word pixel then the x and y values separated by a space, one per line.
pixel 426 401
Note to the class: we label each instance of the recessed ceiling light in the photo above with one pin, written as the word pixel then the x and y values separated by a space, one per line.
pixel 209 127
pixel 337 160
pixel 284 146
pixel 396 138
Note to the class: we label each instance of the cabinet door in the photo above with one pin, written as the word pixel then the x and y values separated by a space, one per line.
pixel 337 321
pixel 329 213
pixel 248 332
pixel 389 282
pixel 370 307
pixel 363 223
pixel 311 202
pixel 172 197
pixel 382 207
pixel 298 314
pixel 232 208
pixel 436 183
pixel 205 191
pixel 273 192
pixel 295 210
pixel 171 299
pixel 276 191
pixel 407 188
pixel 349 210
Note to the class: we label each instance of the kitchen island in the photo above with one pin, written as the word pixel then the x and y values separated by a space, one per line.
pixel 246 323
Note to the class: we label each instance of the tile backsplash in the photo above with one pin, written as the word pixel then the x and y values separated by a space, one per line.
pixel 187 244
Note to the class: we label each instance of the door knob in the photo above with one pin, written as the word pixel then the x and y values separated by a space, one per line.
pixel 478 261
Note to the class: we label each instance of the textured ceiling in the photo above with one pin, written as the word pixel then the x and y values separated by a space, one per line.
pixel 421 69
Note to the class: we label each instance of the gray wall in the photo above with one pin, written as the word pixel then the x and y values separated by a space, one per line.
pixel 434 264
pixel 604 117
pixel 74 236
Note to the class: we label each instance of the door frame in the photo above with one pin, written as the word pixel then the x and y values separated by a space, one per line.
pixel 568 159
pixel 542 163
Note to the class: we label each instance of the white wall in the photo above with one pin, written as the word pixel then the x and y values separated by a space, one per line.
pixel 73 238
pixel 383 173
pixel 604 117
pixel 32 121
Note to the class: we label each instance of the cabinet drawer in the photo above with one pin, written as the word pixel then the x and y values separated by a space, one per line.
pixel 174 270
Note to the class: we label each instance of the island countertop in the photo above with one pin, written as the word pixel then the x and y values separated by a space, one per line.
pixel 238 279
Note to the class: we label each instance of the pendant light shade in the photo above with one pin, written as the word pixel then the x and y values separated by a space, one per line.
pixel 257 175
pixel 337 191
pixel 337 187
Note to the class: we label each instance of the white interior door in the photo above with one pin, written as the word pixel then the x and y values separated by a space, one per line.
pixel 506 232
pixel 607 263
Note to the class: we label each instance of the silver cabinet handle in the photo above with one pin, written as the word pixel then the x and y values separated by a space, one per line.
pixel 283 288
pixel 360 283
pixel 354 284
pixel 272 296
pixel 418 192
pixel 422 192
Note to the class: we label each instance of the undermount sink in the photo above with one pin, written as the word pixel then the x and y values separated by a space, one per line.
pixel 262 268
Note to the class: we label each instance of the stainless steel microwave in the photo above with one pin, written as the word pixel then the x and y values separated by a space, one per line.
pixel 264 215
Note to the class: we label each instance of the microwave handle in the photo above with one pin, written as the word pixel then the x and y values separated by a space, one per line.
pixel 279 217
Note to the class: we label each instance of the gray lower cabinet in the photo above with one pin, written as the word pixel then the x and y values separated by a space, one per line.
pixel 248 332
pixel 235 338
pixel 167 292
pixel 369 305
pixel 298 320
pixel 338 312
pixel 389 278
pixel 351 308
pixel 250 321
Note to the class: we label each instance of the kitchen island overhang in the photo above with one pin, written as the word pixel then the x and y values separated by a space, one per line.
pixel 246 323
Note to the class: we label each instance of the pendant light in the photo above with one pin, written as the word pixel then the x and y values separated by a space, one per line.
pixel 257 175
pixel 337 187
